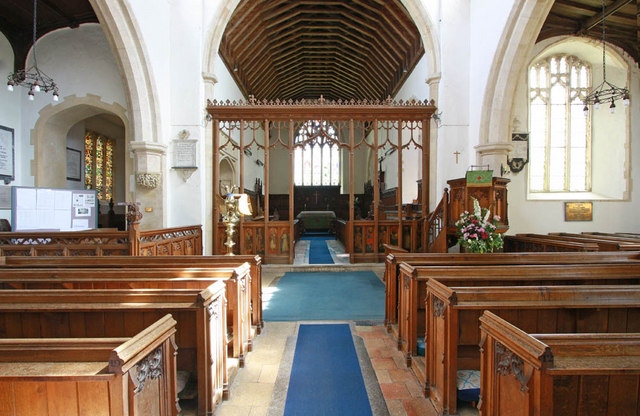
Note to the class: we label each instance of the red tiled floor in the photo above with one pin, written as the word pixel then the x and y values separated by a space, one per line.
pixel 392 391
pixel 384 363
pixel 400 387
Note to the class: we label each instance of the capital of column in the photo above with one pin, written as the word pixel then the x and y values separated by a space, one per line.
pixel 148 163
pixel 493 154
pixel 210 77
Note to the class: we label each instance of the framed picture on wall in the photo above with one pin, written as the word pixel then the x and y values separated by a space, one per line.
pixel 7 172
pixel 74 164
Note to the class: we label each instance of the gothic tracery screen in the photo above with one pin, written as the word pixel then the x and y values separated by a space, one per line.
pixel 98 164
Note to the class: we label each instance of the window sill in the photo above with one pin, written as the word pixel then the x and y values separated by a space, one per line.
pixel 569 196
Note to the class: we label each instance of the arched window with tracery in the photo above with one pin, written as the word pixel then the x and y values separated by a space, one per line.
pixel 317 155
pixel 560 138
pixel 98 164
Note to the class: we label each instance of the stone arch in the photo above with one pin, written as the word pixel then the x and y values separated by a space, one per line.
pixel 144 139
pixel 49 135
pixel 511 58
pixel 227 172
pixel 416 10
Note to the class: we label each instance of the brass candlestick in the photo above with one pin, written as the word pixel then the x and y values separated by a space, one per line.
pixel 235 205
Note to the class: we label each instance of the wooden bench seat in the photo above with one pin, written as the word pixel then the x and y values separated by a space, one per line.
pixel 414 279
pixel 604 243
pixel 393 261
pixel 93 376
pixel 557 374
pixel 177 262
pixel 236 280
pixel 91 313
pixel 453 333
pixel 515 243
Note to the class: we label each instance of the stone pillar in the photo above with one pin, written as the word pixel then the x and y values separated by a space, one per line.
pixel 149 163
pixel 210 80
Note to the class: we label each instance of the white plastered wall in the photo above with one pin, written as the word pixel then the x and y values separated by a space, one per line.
pixel 615 147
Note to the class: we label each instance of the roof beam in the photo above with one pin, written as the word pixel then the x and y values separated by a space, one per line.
pixel 597 18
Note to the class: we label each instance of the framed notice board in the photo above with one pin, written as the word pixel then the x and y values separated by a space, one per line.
pixel 53 209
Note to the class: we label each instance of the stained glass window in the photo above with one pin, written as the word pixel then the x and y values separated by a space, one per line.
pixel 560 132
pixel 98 164
pixel 317 155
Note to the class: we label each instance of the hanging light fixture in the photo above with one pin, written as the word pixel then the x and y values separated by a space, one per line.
pixel 605 92
pixel 33 78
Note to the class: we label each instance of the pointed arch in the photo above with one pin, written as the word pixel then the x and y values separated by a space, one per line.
pixel 511 58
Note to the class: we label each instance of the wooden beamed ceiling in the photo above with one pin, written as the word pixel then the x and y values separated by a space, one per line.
pixel 343 49
pixel 584 18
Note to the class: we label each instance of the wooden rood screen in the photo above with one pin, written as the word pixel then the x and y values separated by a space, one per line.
pixel 364 131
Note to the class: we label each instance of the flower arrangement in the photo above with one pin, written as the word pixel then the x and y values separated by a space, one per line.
pixel 477 230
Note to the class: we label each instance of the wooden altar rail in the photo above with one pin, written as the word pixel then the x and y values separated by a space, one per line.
pixel 365 246
pixel 106 376
pixel 163 242
pixel 276 248
pixel 557 374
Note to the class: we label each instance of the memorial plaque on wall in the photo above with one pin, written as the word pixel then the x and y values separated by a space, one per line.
pixel 6 154
pixel 185 153
pixel 578 211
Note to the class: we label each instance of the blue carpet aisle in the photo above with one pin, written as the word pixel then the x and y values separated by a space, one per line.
pixel 326 378
pixel 326 296
pixel 318 250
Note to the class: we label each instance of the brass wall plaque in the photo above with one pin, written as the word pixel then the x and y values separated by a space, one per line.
pixel 578 211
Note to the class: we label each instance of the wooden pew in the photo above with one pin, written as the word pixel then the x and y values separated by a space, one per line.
pixel 93 376
pixel 235 280
pixel 604 244
pixel 557 374
pixel 178 262
pixel 514 243
pixel 453 333
pixel 91 313
pixel 540 271
pixel 393 260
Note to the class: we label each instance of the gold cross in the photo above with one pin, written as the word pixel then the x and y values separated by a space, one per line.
pixel 457 154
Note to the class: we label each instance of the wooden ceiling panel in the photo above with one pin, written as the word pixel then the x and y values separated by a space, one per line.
pixel 584 18
pixel 342 49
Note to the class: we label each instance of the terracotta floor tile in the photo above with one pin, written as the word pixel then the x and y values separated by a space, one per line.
pixel 383 376
pixel 376 343
pixel 393 391
pixel 419 407
pixel 401 375
pixel 415 388
pixel 384 363
pixel 396 408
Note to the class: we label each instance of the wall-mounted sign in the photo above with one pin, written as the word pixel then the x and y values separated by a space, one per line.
pixel 578 211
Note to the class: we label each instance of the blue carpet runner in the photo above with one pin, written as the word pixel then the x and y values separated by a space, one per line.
pixel 318 250
pixel 328 296
pixel 326 378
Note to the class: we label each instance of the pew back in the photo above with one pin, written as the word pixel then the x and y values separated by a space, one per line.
pixel 78 313
pixel 453 333
pixel 112 376
pixel 557 374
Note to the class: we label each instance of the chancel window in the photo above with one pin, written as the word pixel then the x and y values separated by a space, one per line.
pixel 98 164
pixel 560 132
pixel 316 155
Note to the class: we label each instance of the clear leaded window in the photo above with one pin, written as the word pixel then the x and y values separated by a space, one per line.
pixel 560 132
pixel 98 164
pixel 317 155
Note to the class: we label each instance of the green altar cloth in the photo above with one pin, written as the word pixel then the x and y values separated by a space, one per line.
pixel 317 220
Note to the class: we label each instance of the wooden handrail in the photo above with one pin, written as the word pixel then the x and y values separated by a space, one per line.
pixel 436 224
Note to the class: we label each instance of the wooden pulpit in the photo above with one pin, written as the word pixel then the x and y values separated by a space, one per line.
pixel 491 195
